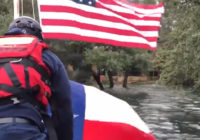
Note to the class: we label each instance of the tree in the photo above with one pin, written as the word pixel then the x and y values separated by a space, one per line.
pixel 178 58
pixel 118 60
pixel 104 59
pixel 6 16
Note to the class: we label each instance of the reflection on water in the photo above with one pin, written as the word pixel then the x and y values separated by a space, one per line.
pixel 170 114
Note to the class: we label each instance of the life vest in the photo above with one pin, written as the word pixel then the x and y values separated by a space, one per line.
pixel 22 69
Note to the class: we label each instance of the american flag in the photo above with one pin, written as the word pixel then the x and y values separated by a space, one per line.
pixel 101 116
pixel 113 22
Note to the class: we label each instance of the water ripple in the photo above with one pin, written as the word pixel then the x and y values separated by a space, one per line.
pixel 170 114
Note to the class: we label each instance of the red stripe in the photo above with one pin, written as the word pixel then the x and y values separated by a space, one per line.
pixel 97 40
pixel 60 22
pixel 96 130
pixel 142 6
pixel 123 18
pixel 95 28
pixel 67 9
pixel 129 15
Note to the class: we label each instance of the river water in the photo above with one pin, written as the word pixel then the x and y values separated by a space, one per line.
pixel 170 114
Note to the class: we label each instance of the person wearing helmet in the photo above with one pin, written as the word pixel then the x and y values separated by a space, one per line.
pixel 32 78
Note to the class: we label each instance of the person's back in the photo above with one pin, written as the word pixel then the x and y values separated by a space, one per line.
pixel 31 75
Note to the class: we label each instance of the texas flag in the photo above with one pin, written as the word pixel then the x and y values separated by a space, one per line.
pixel 101 116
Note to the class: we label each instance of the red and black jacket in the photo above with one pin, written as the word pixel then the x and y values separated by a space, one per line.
pixel 23 74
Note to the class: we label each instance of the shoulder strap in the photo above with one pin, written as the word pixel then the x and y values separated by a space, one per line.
pixel 29 62
pixel 24 94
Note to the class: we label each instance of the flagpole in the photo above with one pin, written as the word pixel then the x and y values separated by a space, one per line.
pixel 16 8
pixel 38 11
pixel 21 7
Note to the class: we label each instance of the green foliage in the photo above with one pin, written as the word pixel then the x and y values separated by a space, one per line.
pixel 103 58
pixel 178 58
pixel 118 59
pixel 6 10
pixel 126 60
pixel 70 52
pixel 6 15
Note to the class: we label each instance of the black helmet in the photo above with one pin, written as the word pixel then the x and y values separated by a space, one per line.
pixel 27 25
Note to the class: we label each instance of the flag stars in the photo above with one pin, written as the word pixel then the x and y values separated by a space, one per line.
pixel 86 2
pixel 90 2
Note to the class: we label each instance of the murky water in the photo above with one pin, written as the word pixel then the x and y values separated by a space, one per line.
pixel 170 114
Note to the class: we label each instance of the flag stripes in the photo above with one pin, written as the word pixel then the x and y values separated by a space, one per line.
pixel 101 116
pixel 110 22
pixel 110 18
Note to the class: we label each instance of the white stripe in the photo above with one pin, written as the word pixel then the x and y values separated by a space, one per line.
pixel 97 34
pixel 145 22
pixel 135 21
pixel 68 3
pixel 90 8
pixel 98 11
pixel 142 10
pixel 103 23
pixel 15 41
pixel 129 10
pixel 100 106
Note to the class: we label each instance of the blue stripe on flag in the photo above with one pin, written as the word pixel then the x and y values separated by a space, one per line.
pixel 78 105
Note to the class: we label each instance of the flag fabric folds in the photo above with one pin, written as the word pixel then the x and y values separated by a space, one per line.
pixel 113 22
pixel 101 116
